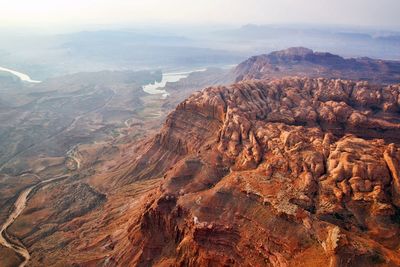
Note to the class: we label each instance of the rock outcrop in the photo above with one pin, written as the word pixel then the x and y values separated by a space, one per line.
pixel 290 172
pixel 285 172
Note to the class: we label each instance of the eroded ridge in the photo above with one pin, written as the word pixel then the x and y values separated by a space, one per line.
pixel 276 173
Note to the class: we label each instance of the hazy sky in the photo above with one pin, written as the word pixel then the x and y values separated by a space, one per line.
pixel 50 13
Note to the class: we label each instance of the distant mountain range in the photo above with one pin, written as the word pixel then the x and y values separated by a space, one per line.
pixel 349 42
pixel 42 56
pixel 304 62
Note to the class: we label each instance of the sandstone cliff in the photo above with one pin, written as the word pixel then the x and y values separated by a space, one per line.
pixel 291 172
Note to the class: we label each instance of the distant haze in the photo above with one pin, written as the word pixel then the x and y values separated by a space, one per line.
pixel 61 13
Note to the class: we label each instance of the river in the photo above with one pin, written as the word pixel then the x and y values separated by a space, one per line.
pixel 24 77
pixel 169 77
pixel 19 206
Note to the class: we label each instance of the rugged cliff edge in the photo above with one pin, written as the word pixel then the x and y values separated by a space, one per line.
pixel 290 172
pixel 266 172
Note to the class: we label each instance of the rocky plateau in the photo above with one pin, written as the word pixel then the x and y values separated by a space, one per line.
pixel 297 163
pixel 286 172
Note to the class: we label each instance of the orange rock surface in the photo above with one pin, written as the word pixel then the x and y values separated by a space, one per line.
pixel 289 172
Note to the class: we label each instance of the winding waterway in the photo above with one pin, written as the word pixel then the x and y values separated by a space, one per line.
pixel 24 77
pixel 19 207
pixel 170 77
pixel 21 202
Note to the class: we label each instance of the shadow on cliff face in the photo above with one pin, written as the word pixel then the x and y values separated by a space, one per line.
pixel 261 175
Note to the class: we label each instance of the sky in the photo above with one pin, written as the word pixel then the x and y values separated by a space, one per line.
pixel 58 13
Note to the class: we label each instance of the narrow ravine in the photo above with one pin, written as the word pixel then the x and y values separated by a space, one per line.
pixel 19 206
